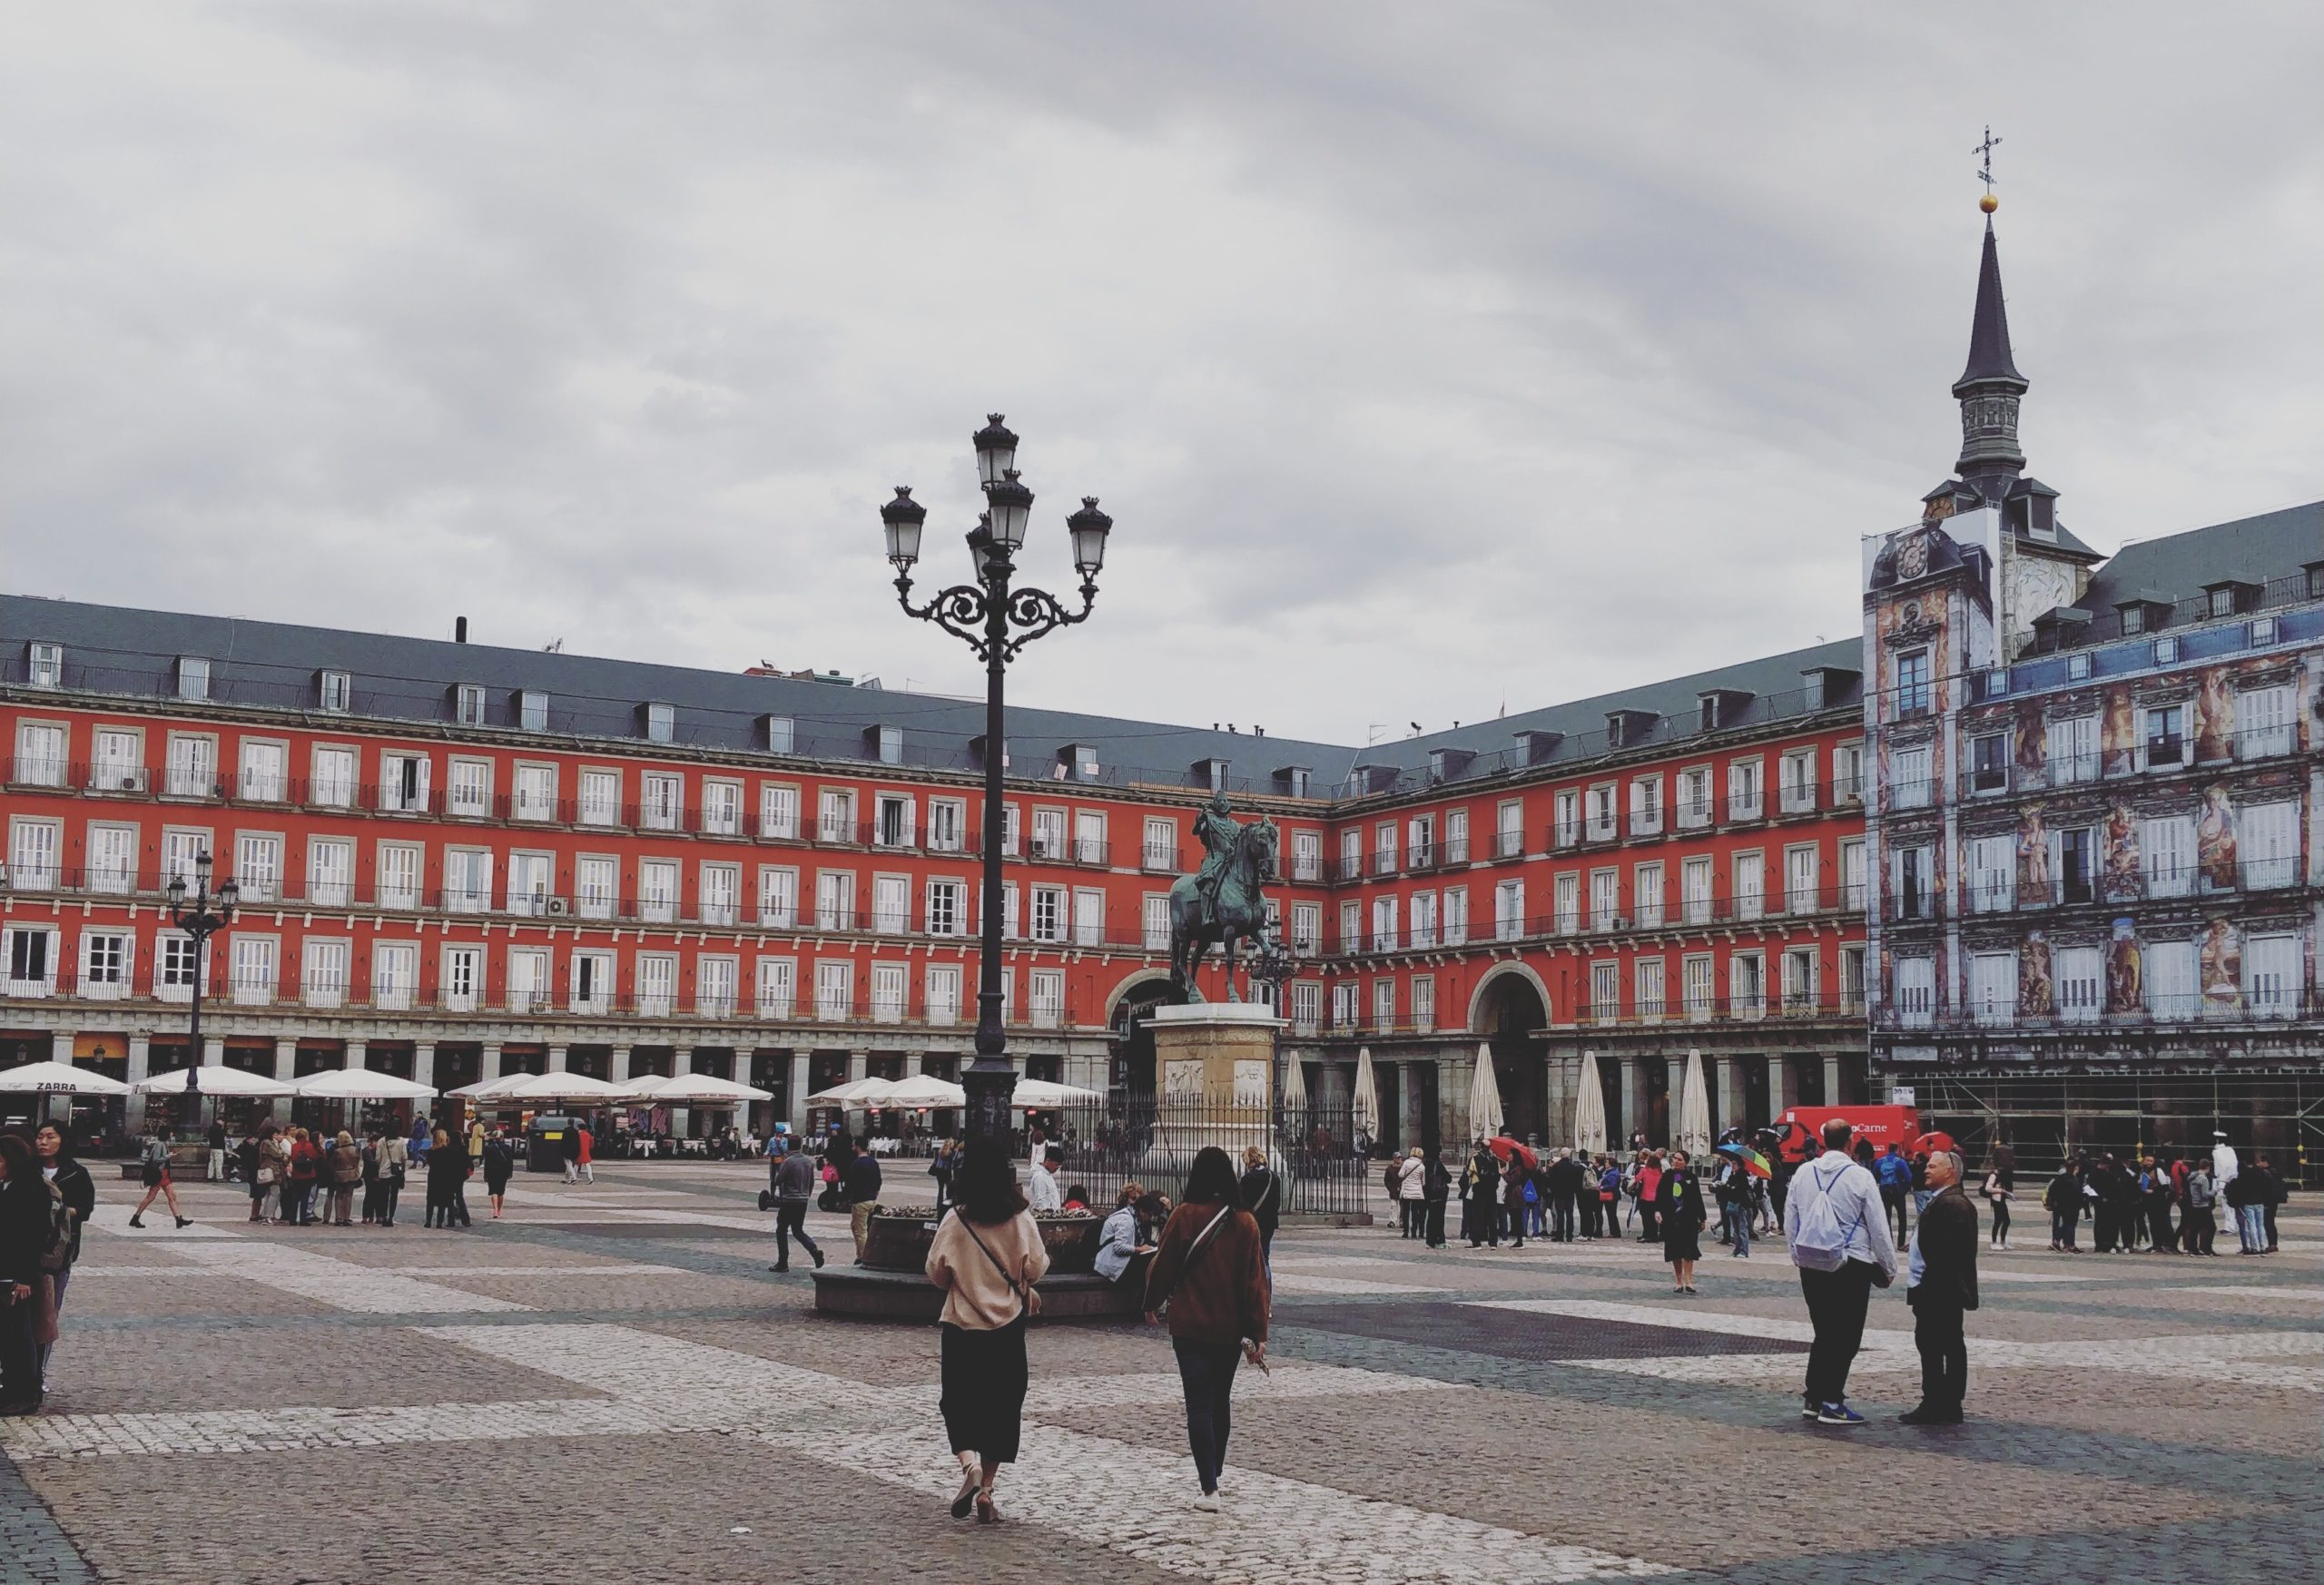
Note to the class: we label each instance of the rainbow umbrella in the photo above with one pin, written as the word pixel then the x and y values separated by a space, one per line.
pixel 1757 1164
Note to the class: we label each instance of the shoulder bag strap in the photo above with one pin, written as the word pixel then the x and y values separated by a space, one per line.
pixel 1193 1249
pixel 1015 1286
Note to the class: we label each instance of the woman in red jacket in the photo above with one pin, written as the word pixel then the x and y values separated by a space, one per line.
pixel 1208 1270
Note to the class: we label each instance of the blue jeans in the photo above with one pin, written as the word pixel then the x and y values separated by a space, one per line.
pixel 2251 1226
pixel 1741 1221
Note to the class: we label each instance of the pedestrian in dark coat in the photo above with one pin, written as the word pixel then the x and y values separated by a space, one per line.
pixel 1941 1286
pixel 1678 1207
pixel 1480 1184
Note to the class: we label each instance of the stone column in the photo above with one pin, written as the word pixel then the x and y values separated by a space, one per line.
pixel 488 1061
pixel 556 1059
pixel 795 1093
pixel 1731 1092
pixel 1632 1105
pixel 286 1059
pixel 617 1065
pixel 141 1068
pixel 1832 1082
pixel 213 1051
pixel 423 1062
pixel 859 1066
pixel 60 1046
pixel 1783 1084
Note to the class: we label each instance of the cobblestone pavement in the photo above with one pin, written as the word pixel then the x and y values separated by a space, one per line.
pixel 609 1384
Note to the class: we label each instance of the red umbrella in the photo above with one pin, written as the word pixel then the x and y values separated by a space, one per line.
pixel 1937 1141
pixel 1504 1146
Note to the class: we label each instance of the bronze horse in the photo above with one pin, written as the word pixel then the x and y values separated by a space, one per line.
pixel 1241 913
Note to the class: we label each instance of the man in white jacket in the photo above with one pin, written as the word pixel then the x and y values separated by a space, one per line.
pixel 2224 1166
pixel 1839 1237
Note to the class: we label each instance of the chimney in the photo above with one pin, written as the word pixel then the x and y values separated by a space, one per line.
pixel 459 630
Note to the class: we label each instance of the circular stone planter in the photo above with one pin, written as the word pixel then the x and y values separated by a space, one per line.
pixel 898 1239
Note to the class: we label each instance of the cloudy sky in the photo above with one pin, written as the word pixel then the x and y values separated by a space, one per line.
pixel 1428 357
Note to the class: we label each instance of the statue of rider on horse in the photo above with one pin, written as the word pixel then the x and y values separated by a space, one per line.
pixel 1221 902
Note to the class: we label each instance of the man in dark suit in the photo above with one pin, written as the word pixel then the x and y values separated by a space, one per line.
pixel 1942 1286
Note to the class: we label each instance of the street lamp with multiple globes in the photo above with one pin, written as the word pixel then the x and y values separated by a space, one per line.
pixel 983 615
pixel 201 921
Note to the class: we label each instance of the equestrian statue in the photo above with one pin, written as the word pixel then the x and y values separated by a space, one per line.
pixel 1221 901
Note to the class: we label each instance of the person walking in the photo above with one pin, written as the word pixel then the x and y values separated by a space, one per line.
pixel 499 1167
pixel 218 1150
pixel 859 1178
pixel 1646 1194
pixel 1940 1287
pixel 1838 1232
pixel 395 1160
pixel 1517 1199
pixel 1678 1207
pixel 1262 1195
pixel 2272 1193
pixel 448 1174
pixel 2158 1184
pixel 2201 1224
pixel 271 1194
pixel 1481 1199
pixel 1895 1177
pixel 346 1172
pixel 987 1256
pixel 1735 1193
pixel 1436 1188
pixel 1566 1180
pixel 1412 1204
pixel 300 1178
pixel 2063 1200
pixel 568 1150
pixel 27 1231
pixel 1610 1198
pixel 78 1191
pixel 588 1158
pixel 795 1186
pixel 1208 1273
pixel 153 1171
pixel 1998 1195
pixel 940 1167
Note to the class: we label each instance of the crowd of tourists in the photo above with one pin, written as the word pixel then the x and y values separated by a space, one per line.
pixel 2165 1202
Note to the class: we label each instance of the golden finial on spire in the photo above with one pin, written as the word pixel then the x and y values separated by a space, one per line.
pixel 1986 171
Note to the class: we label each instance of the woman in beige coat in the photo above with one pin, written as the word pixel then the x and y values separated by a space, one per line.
pixel 987 1256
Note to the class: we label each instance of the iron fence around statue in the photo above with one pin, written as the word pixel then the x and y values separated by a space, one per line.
pixel 1151 1141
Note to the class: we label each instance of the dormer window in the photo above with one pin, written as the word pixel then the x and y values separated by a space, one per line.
pixel 2133 618
pixel 887 744
pixel 2231 597
pixel 1210 774
pixel 468 705
pixel 532 710
pixel 776 732
pixel 1294 780
pixel 44 665
pixel 334 692
pixel 661 723
pixel 1445 764
pixel 1077 762
pixel 194 677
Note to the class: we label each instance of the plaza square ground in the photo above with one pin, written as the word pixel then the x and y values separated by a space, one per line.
pixel 610 1385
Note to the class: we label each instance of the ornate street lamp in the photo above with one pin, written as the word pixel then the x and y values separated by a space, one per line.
pixel 982 616
pixel 207 916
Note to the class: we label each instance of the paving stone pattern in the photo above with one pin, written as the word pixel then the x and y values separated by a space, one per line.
pixel 609 1384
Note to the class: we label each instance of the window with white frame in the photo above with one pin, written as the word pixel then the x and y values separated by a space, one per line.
pixel 1853 874
pixel 34 846
pixel 2079 984
pixel 781 734
pixel 1509 833
pixel 1089 836
pixel 1847 773
pixel 1750 871
pixel 947 824
pixel 1694 797
pixel 1009 928
pixel 1798 771
pixel 527 987
pixel 1422 934
pixel 2173 992
pixel 834 900
pixel 1456 916
pixel 335 772
pixel 835 815
pixel 113 859
pixel 1605 992
pixel 2071 749
pixel 532 710
pixel 535 790
pixel 322 972
pixel 1695 882
pixel 334 692
pixel 44 664
pixel 1992 987
pixel 2074 862
pixel 1646 805
pixel 258 866
pixel 1909 777
pixel 1456 836
pixel 777 988
pixel 948 907
pixel 2271 976
pixel 1799 968
pixel 1384 924
pixel 657 984
pixel 1852 979
pixel 1508 909
pixel 2165 745
pixel 2263 724
pixel 1746 984
pixel 778 896
pixel 1800 879
pixel 1161 848
pixel 1605 900
pixel 1307 854
pixel 1048 833
pixel 1424 1001
pixel 174 969
pixel 940 985
pixel 657 890
pixel 1993 873
pixel 2269 835
pixel 467 880
pixel 395 976
pixel 892 821
pixel 1045 995
pixel 600 803
pixel 1384 1003
pixel 778 810
pixel 1602 827
pixel 596 886
pixel 1917 992
pixel 720 901
pixel 469 787
pixel 661 799
pixel 1343 1004
pixel 1383 848
pixel 40 754
pixel 1307 927
pixel 467 704
pixel 530 878
pixel 403 782
pixel 255 972
pixel 1420 842
pixel 401 866
pixel 1565 903
pixel 192 765
pixel 32 959
pixel 182 853
pixel 330 871
pixel 1565 818
pixel 2168 845
pixel 661 723
pixel 1746 790
pixel 118 763
pixel 194 677
pixel 1698 985
pixel 1049 913
pixel 714 984
pixel 721 807
pixel 1088 917
pixel 1008 830
pixel 1646 896
pixel 1913 881
pixel 106 956
pixel 1306 1005
pixel 1646 980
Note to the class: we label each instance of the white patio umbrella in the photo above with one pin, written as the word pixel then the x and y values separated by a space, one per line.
pixel 1295 1085
pixel 565 1087
pixel 1042 1094
pixel 1589 1110
pixel 486 1089
pixel 925 1089
pixel 1484 1097
pixel 359 1084
pixel 59 1079
pixel 860 1093
pixel 1366 1104
pixel 1693 1133
pixel 699 1090
pixel 216 1079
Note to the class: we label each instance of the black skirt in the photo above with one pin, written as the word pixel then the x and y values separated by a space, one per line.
pixel 1681 1239
pixel 983 1376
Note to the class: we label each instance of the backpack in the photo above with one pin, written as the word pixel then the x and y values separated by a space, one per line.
pixel 58 1253
pixel 1821 1243
pixel 1532 1196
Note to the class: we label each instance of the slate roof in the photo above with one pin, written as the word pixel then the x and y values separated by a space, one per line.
pixel 1989 355
pixel 2273 550
pixel 118 650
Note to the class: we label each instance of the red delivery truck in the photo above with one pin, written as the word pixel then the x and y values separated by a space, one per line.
pixel 1884 1125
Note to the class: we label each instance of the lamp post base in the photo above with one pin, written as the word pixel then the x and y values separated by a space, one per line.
pixel 990 1081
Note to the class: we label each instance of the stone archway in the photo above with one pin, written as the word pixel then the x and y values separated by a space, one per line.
pixel 1509 1007
pixel 1131 1043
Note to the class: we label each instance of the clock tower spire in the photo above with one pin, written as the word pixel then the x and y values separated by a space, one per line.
pixel 1990 386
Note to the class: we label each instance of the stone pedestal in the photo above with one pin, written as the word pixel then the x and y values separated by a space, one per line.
pixel 1214 1081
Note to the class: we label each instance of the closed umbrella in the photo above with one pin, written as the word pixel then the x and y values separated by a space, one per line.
pixel 1694 1107
pixel 1366 1105
pixel 59 1079
pixel 1484 1097
pixel 1589 1110
pixel 1295 1085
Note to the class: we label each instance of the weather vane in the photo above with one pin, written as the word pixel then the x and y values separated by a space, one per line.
pixel 1985 170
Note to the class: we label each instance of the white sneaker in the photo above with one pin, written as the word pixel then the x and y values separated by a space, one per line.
pixel 1206 1501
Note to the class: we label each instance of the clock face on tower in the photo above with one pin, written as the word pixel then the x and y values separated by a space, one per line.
pixel 1913 560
